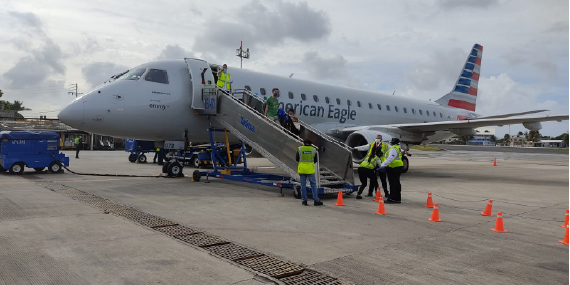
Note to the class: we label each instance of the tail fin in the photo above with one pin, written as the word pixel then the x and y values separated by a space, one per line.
pixel 464 94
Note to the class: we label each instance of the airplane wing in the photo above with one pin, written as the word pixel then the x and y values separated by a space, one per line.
pixel 464 124
pixel 511 114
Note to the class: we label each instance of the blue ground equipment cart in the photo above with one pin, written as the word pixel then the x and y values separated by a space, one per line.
pixel 36 150
pixel 138 148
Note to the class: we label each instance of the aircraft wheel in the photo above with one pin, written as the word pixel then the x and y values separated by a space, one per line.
pixel 142 158
pixel 17 168
pixel 165 167
pixel 132 157
pixel 175 169
pixel 406 164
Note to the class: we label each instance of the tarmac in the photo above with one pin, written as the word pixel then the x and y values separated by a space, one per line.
pixel 49 236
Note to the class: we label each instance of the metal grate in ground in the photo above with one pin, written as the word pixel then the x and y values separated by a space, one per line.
pixel 309 277
pixel 201 239
pixel 233 251
pixel 177 230
pixel 272 266
pixel 150 220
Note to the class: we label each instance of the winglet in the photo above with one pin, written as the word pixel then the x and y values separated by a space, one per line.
pixel 464 93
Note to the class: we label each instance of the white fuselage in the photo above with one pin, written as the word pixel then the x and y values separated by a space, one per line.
pixel 146 110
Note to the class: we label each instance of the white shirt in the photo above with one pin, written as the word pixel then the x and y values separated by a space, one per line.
pixel 365 147
pixel 391 156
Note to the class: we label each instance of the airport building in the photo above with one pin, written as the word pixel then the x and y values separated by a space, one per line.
pixel 483 136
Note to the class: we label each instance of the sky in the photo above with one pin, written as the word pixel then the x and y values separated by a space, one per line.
pixel 412 49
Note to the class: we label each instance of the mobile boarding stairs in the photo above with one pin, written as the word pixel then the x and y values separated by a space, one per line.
pixel 243 119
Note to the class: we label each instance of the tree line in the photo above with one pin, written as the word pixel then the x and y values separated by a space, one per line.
pixel 16 106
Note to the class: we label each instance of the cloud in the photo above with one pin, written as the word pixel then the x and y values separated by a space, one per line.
pixel 33 70
pixel 98 72
pixel 458 4
pixel 174 52
pixel 559 28
pixel 28 19
pixel 438 70
pixel 334 68
pixel 264 25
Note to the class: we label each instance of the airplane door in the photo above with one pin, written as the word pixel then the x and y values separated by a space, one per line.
pixel 202 78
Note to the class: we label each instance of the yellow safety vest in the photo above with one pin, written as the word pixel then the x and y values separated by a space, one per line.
pixel 383 147
pixel 398 160
pixel 306 160
pixel 224 78
pixel 76 140
pixel 370 165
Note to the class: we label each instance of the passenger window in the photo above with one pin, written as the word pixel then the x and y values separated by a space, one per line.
pixel 303 96
pixel 405 110
pixel 316 98
pixel 421 112
pixel 440 115
pixel 262 91
pixel 247 88
pixel 358 104
pixel 379 107
pixel 413 111
pixel 327 100
pixel 396 108
pixel 369 105
pixel 291 95
pixel 337 101
pixel 156 75
pixel 427 113
pixel 387 107
pixel 134 74
pixel 348 102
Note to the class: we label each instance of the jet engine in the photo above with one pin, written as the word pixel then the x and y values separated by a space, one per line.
pixel 533 126
pixel 361 138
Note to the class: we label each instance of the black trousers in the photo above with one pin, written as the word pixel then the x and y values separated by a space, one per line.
pixel 77 149
pixel 384 184
pixel 364 174
pixel 393 174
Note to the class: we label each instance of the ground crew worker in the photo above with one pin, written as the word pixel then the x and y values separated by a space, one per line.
pixel 155 155
pixel 78 146
pixel 224 78
pixel 394 165
pixel 307 157
pixel 372 147
pixel 367 170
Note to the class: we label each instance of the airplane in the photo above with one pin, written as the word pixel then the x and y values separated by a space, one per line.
pixel 156 101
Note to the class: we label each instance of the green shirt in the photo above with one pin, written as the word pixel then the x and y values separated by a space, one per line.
pixel 273 106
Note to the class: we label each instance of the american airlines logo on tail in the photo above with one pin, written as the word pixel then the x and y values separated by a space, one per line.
pixel 464 94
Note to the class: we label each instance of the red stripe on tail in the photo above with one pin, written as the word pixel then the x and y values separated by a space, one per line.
pixel 472 91
pixel 475 76
pixel 478 61
pixel 461 104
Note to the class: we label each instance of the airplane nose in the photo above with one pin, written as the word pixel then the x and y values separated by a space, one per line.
pixel 72 115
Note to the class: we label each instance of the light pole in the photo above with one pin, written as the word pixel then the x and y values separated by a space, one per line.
pixel 241 53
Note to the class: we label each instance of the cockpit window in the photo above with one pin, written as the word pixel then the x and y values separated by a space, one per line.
pixel 134 74
pixel 156 75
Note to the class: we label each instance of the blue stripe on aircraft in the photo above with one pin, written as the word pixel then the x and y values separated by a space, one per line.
pixel 474 52
pixel 476 46
pixel 467 74
pixel 462 89
pixel 464 81
pixel 472 59
pixel 469 66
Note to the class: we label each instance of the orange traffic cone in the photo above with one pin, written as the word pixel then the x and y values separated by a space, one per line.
pixel 429 203
pixel 435 214
pixel 499 224
pixel 565 220
pixel 495 162
pixel 378 195
pixel 381 210
pixel 488 209
pixel 565 241
pixel 339 199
